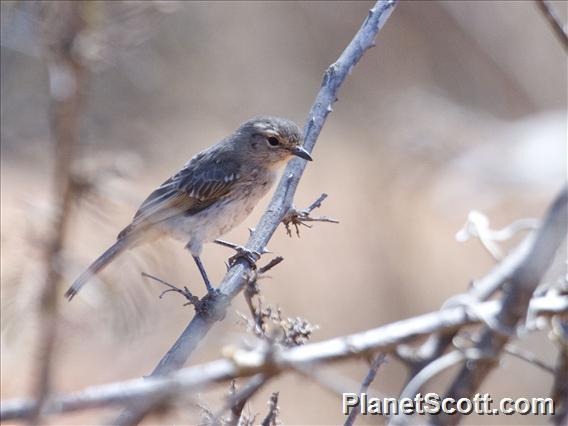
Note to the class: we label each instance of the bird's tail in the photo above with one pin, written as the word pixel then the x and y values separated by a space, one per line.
pixel 102 261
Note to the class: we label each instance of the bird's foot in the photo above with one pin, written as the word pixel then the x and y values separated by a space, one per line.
pixel 250 256
pixel 242 252
pixel 212 306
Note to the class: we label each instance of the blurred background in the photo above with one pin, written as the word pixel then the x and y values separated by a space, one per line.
pixel 460 106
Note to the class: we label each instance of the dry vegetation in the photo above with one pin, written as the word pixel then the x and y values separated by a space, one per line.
pixel 461 106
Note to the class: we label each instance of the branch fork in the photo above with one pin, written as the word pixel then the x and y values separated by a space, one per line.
pixel 298 218
pixel 212 306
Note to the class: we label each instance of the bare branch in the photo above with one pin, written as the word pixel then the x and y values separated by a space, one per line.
pixel 509 349
pixel 272 416
pixel 480 290
pixel 67 76
pixel 560 386
pixel 270 265
pixel 237 276
pixel 238 399
pixel 185 292
pixel 517 296
pixel 554 22
pixel 299 218
pixel 477 226
pixel 375 364
pixel 270 360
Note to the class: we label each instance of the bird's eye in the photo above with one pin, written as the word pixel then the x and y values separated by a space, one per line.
pixel 273 141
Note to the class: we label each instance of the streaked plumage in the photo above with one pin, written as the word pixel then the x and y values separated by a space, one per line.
pixel 215 191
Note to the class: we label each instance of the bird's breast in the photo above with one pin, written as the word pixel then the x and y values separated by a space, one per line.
pixel 224 214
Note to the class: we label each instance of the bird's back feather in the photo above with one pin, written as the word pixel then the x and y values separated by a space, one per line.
pixel 205 179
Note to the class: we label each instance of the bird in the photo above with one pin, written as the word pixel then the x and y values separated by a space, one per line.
pixel 211 194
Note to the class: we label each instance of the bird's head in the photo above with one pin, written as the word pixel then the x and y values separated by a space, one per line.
pixel 271 140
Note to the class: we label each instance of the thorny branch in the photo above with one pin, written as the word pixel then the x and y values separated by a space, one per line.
pixel 517 275
pixel 287 332
pixel 237 277
pixel 246 363
pixel 296 217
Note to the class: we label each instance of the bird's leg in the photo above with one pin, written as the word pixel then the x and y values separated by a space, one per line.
pixel 250 256
pixel 214 304
pixel 210 288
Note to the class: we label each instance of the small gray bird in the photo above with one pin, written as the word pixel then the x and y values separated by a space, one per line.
pixel 214 192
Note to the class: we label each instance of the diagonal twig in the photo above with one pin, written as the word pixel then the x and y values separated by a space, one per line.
pixel 237 276
pixel 235 279
pixel 298 218
pixel 517 295
pixel 272 416
pixel 185 292
pixel 554 22
pixel 371 374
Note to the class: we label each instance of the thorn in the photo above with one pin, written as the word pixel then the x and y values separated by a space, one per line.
pixel 265 250
pixel 251 231
pixel 329 108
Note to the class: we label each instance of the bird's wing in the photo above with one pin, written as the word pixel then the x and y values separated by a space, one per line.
pixel 200 183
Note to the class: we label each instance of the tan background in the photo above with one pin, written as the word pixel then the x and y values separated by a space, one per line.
pixel 460 106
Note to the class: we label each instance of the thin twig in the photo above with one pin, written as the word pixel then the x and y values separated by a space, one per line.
pixel 480 290
pixel 246 363
pixel 298 218
pixel 371 374
pixel 270 265
pixel 185 292
pixel 554 22
pixel 332 381
pixel 425 375
pixel 517 296
pixel 236 278
pixel 560 386
pixel 509 349
pixel 272 416
pixel 477 226
pixel 236 402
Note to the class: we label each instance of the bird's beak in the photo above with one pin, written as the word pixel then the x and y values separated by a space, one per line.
pixel 300 151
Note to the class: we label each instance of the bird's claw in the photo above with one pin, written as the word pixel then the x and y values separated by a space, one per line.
pixel 250 256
